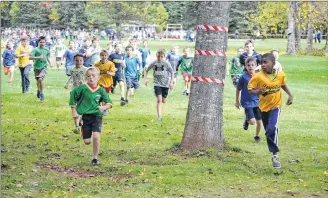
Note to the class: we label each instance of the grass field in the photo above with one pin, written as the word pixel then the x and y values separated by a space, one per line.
pixel 41 157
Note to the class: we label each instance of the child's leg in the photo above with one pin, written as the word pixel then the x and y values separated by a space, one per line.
pixel 41 84
pixel 121 83
pixel 128 92
pixel 11 75
pixel 95 144
pixel 188 85
pixel 271 129
pixel 258 127
pixel 159 105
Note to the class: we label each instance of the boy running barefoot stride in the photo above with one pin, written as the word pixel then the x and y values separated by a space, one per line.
pixel 163 79
pixel 86 100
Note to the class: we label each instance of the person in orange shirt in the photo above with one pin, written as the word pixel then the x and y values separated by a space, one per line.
pixel 107 71
pixel 268 84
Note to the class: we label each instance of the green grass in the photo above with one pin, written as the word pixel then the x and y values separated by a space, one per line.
pixel 139 155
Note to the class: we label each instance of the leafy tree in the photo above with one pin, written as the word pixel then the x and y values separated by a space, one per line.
pixel 183 12
pixel 240 16
pixel 5 13
pixel 273 20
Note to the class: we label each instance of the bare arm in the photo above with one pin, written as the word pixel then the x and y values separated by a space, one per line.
pixel 290 96
pixel 105 107
pixel 146 76
pixel 237 104
pixel 69 80
pixel 257 91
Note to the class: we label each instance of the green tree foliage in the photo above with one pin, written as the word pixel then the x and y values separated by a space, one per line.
pixel 5 13
pixel 239 16
pixel 183 12
pixel 30 14
pixel 271 16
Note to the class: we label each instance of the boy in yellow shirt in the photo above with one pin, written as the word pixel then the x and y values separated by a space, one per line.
pixel 25 65
pixel 267 84
pixel 107 71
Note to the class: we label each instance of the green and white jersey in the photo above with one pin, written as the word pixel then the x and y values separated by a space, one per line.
pixel 87 99
pixel 60 49
pixel 186 64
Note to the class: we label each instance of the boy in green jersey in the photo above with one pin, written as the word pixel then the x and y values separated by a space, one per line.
pixel 86 100
pixel 185 64
pixel 40 55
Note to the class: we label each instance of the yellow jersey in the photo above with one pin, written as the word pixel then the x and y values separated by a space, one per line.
pixel 24 60
pixel 106 80
pixel 272 98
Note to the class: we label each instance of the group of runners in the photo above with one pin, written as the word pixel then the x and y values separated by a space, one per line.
pixel 94 73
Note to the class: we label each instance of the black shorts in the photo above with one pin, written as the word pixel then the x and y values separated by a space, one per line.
pixel 91 123
pixel 132 83
pixel 253 112
pixel 163 91
pixel 58 59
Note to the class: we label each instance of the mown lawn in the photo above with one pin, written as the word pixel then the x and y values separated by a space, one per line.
pixel 41 157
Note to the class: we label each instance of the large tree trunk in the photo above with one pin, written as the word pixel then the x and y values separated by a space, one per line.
pixel 297 15
pixel 309 39
pixel 291 42
pixel 204 123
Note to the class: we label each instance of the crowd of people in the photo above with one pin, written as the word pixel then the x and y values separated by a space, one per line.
pixel 94 74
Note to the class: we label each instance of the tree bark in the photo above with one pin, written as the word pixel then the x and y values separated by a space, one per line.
pixel 309 39
pixel 297 15
pixel 291 40
pixel 204 122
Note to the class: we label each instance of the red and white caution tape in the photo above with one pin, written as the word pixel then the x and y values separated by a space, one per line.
pixel 205 79
pixel 212 27
pixel 210 53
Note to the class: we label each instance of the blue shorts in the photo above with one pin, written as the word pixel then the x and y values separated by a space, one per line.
pixel 253 112
pixel 118 77
pixel 132 83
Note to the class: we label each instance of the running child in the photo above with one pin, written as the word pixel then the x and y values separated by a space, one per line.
pixel 185 64
pixel 145 52
pixel 60 49
pixel 77 78
pixel 86 100
pixel 84 51
pixel 9 61
pixel 69 57
pixel 132 62
pixel 174 58
pixel 40 55
pixel 94 52
pixel 277 66
pixel 163 79
pixel 118 59
pixel 77 73
pixel 107 71
pixel 25 65
pixel 236 69
pixel 248 101
pixel 249 46
pixel 268 84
